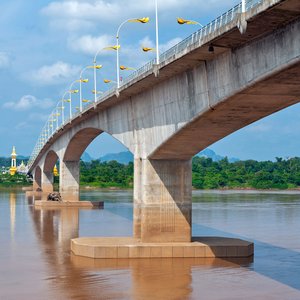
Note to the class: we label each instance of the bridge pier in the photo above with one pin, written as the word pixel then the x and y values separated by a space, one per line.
pixel 162 200
pixel 37 179
pixel 47 182
pixel 69 181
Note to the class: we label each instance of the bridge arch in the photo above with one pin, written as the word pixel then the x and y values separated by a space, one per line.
pixel 70 160
pixel 79 142
pixel 50 161
pixel 47 174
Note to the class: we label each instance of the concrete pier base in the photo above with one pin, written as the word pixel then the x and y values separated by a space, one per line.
pixel 87 204
pixel 128 247
pixel 40 200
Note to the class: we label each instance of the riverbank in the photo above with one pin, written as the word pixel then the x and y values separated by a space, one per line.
pixel 240 190
pixel 117 188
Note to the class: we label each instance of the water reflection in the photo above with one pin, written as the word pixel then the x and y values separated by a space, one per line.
pixel 12 205
pixel 83 278
pixel 154 278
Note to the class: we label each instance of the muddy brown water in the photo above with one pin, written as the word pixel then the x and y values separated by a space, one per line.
pixel 36 263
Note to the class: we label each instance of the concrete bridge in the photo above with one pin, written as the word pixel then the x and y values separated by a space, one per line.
pixel 164 114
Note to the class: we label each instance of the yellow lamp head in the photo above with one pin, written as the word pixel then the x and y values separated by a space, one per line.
pixel 146 49
pixel 142 20
pixel 112 47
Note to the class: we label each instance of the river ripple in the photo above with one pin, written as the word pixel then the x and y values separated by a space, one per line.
pixel 36 263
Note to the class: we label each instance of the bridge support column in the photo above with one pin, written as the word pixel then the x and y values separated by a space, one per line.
pixel 37 179
pixel 47 182
pixel 162 200
pixel 36 185
pixel 69 180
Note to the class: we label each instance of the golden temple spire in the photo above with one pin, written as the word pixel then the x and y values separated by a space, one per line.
pixel 13 168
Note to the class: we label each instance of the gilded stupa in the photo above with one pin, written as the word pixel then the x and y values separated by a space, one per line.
pixel 55 171
pixel 13 168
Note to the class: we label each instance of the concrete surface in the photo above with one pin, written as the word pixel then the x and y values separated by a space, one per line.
pixel 126 247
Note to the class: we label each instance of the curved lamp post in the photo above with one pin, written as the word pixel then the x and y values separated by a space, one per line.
pixel 72 91
pixel 138 20
pixel 156 26
pixel 81 80
pixel 95 67
pixel 63 106
pixel 56 115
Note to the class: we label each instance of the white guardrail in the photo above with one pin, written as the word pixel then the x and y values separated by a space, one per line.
pixel 48 130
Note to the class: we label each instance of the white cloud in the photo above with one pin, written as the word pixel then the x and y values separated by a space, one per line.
pixel 112 10
pixel 88 44
pixel 28 102
pixel 4 60
pixel 75 14
pixel 58 73
pixel 147 42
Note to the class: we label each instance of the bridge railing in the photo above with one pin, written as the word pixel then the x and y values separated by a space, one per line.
pixel 178 49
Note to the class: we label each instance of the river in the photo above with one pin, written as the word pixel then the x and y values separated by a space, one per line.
pixel 36 263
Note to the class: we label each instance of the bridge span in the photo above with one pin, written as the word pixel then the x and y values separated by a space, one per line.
pixel 164 114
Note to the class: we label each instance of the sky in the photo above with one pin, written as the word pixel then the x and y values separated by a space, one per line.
pixel 45 44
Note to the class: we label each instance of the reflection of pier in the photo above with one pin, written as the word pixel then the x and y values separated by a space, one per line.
pixel 160 278
pixel 75 277
pixel 12 205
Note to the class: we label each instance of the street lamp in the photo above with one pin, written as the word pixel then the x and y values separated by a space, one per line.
pixel 147 49
pixel 95 67
pixel 81 80
pixel 182 21
pixel 138 20
pixel 123 68
pixel 56 115
pixel 109 81
pixel 156 27
pixel 71 91
pixel 63 106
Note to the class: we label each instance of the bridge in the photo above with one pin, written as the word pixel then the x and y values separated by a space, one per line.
pixel 234 71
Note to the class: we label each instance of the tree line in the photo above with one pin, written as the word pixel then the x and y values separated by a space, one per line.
pixel 206 174
pixel 281 174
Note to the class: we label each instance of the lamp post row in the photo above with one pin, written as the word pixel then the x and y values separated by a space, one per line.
pixel 49 125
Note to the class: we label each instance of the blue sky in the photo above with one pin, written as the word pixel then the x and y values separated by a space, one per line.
pixel 44 45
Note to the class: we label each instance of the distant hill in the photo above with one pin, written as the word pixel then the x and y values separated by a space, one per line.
pixel 125 157
pixel 208 153
pixel 121 157
pixel 86 157
pixel 21 157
